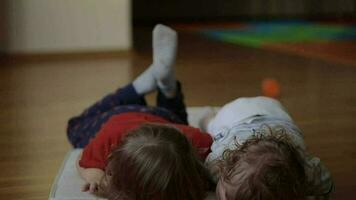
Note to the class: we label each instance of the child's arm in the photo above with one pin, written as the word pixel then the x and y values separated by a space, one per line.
pixel 92 177
pixel 320 180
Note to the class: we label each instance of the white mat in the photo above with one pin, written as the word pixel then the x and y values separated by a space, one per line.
pixel 67 185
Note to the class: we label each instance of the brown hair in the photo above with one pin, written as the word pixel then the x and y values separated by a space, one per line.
pixel 156 162
pixel 267 166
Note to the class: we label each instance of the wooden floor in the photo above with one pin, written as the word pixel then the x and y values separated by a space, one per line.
pixel 37 96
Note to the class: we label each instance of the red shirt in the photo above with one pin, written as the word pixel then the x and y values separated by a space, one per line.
pixel 96 153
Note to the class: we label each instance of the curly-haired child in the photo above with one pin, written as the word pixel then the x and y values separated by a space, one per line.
pixel 259 153
pixel 134 151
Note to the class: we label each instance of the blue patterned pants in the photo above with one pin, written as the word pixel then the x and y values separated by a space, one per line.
pixel 82 128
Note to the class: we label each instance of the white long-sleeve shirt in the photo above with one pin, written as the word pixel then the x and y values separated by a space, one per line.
pixel 239 120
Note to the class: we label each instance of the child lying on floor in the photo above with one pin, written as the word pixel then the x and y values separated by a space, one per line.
pixel 259 153
pixel 133 151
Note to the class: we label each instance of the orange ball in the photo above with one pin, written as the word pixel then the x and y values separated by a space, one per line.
pixel 270 88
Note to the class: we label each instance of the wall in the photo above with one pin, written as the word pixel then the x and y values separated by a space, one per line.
pixel 56 26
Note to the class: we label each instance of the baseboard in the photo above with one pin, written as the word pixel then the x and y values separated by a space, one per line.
pixel 28 57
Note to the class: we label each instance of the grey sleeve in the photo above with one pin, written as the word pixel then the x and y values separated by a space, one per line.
pixel 320 183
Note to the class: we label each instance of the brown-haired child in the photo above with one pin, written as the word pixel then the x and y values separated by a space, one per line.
pixel 259 153
pixel 133 151
pixel 158 162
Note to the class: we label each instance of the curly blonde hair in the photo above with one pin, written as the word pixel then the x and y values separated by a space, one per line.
pixel 267 166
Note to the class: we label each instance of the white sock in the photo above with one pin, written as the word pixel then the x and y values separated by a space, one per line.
pixel 145 83
pixel 164 57
pixel 161 72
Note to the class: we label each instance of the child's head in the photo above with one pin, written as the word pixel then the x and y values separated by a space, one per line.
pixel 156 162
pixel 266 166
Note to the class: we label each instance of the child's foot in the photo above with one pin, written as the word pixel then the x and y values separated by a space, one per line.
pixel 145 83
pixel 164 57
pixel 161 72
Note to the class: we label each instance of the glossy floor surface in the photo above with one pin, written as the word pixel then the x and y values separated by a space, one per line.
pixel 39 95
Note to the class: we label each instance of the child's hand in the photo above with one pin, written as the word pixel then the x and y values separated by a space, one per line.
pixel 92 187
pixel 206 118
pixel 92 178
